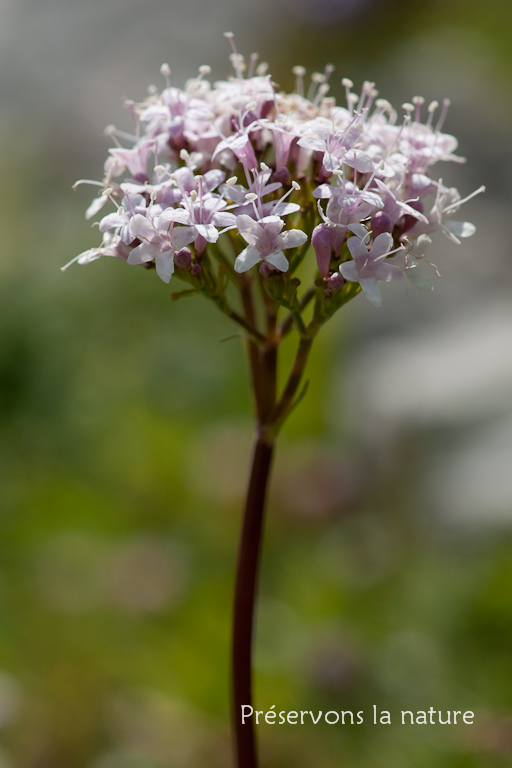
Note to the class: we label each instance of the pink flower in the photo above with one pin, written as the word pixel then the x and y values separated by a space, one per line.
pixel 266 242
pixel 368 267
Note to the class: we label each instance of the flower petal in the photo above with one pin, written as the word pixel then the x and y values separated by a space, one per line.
pixel 460 228
pixel 140 226
pixel 247 259
pixel 142 253
pixel 371 290
pixel 293 238
pixel 419 278
pixel 349 271
pixel 165 265
pixel 278 260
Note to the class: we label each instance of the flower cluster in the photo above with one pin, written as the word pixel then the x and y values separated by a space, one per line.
pixel 242 159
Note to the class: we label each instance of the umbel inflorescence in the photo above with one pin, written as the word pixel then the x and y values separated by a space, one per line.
pixel 233 176
pixel 233 187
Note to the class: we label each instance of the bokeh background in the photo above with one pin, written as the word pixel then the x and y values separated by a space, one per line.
pixel 125 425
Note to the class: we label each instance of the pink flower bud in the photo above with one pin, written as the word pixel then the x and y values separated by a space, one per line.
pixel 200 244
pixel 282 175
pixel 266 270
pixel 380 223
pixel 322 241
pixel 336 282
pixel 183 258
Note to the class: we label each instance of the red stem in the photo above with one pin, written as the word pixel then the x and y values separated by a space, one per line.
pixel 245 595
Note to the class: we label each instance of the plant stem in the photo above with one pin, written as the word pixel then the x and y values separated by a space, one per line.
pixel 295 378
pixel 245 594
pixel 269 412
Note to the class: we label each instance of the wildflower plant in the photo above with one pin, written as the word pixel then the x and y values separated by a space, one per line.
pixel 231 188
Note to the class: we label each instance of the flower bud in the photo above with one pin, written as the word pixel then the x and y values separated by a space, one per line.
pixel 196 270
pixel 183 258
pixel 380 222
pixel 321 240
pixel 336 282
pixel 266 270
pixel 200 245
pixel 282 175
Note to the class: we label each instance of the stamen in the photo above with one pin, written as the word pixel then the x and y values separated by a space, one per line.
pixel 329 69
pixel 365 91
pixel 407 120
pixel 431 109
pixel 230 36
pixel 252 65
pixel 371 96
pixel 63 269
pixel 165 70
pixel 442 117
pixel 251 198
pixel 316 79
pixel 322 91
pixel 87 181
pixel 348 84
pixel 299 73
pixel 453 206
pixel 238 62
pixel 418 101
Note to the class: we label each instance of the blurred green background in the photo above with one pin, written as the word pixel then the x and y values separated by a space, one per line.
pixel 125 427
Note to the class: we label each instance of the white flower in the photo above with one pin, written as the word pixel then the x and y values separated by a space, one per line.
pixel 266 242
